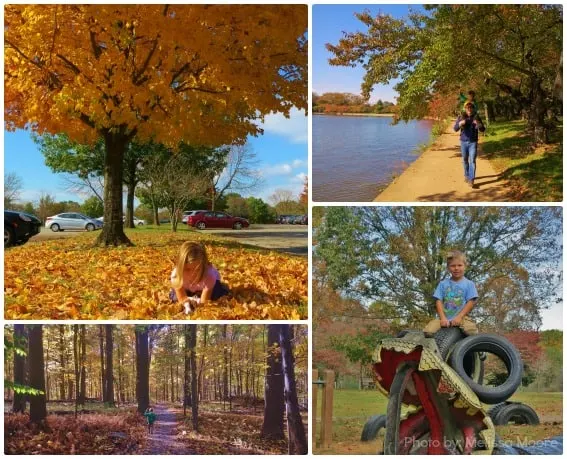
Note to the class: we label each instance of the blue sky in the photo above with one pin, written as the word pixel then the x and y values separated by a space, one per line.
pixel 329 22
pixel 281 154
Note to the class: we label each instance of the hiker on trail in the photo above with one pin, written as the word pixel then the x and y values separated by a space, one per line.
pixel 463 100
pixel 150 418
pixel 194 280
pixel 469 123
pixel 454 298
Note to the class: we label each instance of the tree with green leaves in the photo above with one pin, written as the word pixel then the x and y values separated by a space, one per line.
pixel 392 258
pixel 509 49
pixel 92 207
pixel 259 211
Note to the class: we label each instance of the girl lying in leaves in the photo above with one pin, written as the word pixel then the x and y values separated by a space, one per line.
pixel 198 282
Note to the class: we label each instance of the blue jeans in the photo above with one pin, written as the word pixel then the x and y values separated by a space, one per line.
pixel 219 291
pixel 468 151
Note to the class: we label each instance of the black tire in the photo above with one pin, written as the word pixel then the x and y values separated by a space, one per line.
pixel 498 346
pixel 201 225
pixel 393 413
pixel 55 227
pixel 446 338
pixel 9 237
pixel 402 333
pixel 494 410
pixel 90 227
pixel 237 226
pixel 518 413
pixel 372 427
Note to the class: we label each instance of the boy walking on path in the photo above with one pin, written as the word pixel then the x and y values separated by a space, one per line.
pixel 150 418
pixel 469 123
pixel 455 297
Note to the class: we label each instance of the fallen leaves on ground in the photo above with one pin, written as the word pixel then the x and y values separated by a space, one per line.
pixel 229 433
pixel 71 279
pixel 120 433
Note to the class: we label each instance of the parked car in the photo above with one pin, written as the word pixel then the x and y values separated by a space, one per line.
pixel 304 219
pixel 210 219
pixel 188 213
pixel 72 221
pixel 19 227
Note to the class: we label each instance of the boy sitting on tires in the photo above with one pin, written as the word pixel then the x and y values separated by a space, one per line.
pixel 455 297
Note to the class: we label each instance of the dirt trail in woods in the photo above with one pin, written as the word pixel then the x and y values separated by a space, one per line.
pixel 437 175
pixel 163 440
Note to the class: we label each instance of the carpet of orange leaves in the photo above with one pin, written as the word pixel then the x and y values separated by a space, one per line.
pixel 71 279
pixel 105 433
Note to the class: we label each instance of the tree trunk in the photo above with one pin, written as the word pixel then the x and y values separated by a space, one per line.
pixel 62 361
pixel 186 371
pixel 296 430
pixel 537 112
pixel 273 426
pixel 121 395
pixel 76 366
pixel 113 231
pixel 38 409
pixel 142 368
pixel 225 365
pixel 131 182
pixel 83 369
pixel 19 402
pixel 102 372
pixel 194 382
pixel 109 366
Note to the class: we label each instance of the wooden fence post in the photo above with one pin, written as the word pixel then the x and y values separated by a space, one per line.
pixel 314 394
pixel 327 408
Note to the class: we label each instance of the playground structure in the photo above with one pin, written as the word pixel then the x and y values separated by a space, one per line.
pixel 435 393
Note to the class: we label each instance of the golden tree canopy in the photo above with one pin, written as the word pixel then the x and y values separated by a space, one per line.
pixel 198 73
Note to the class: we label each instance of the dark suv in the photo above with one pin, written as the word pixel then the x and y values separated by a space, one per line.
pixel 19 227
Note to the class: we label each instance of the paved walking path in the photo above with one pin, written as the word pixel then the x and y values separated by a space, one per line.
pixel 437 175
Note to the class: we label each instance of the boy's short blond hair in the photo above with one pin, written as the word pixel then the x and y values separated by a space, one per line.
pixel 456 255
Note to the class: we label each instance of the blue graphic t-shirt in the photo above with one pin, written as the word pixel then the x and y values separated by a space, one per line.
pixel 455 295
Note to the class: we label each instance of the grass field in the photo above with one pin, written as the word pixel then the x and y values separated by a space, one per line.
pixel 352 408
pixel 535 174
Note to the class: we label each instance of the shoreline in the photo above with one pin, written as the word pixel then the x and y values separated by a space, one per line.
pixel 370 115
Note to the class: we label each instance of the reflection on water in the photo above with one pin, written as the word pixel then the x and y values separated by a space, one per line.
pixel 355 157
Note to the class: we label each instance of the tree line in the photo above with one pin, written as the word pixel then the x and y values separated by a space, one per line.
pixel 182 364
pixel 338 102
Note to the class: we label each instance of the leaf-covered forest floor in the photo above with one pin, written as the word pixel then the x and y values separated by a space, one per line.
pixel 352 408
pixel 123 431
pixel 72 279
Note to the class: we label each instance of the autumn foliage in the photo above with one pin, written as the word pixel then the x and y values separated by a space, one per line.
pixel 71 279
pixel 107 433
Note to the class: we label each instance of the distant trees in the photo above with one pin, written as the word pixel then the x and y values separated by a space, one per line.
pixel 12 188
pixel 336 102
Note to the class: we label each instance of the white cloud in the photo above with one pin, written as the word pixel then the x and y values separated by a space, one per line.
pixel 552 318
pixel 298 163
pixel 299 178
pixel 281 169
pixel 293 128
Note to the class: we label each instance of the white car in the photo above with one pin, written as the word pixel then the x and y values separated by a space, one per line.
pixel 72 221
pixel 137 221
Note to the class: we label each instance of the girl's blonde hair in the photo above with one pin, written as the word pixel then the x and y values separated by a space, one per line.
pixel 456 255
pixel 190 252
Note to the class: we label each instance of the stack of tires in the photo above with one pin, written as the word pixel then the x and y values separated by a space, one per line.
pixel 466 355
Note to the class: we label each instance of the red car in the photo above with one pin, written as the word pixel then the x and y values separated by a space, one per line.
pixel 213 219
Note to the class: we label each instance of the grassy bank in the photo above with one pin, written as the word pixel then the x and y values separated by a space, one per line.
pixel 535 174
pixel 352 408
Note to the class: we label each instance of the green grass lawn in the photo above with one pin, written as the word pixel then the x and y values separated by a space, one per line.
pixel 352 408
pixel 535 174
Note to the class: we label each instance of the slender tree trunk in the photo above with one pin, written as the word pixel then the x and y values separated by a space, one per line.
pixel 120 372
pixel 83 369
pixel 113 231
pixel 102 372
pixel 273 426
pixel 19 402
pixel 142 368
pixel 62 361
pixel 38 409
pixel 225 365
pixel 186 370
pixel 296 430
pixel 194 385
pixel 109 365
pixel 76 366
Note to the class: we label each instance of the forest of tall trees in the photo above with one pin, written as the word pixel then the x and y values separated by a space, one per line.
pixel 183 372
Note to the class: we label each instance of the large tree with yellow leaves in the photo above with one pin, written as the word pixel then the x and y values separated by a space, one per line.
pixel 201 74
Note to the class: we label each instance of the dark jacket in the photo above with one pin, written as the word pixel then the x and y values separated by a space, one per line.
pixel 469 132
